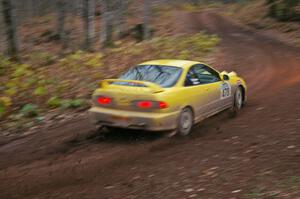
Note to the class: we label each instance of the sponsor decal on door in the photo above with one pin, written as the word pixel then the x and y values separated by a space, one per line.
pixel 225 90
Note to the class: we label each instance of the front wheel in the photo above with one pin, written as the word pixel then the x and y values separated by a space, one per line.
pixel 185 122
pixel 237 102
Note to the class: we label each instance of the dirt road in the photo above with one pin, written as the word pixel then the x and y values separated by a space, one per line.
pixel 256 155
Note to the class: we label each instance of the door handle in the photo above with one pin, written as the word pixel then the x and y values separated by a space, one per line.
pixel 207 89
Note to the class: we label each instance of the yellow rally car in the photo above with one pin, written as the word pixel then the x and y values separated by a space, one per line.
pixel 164 95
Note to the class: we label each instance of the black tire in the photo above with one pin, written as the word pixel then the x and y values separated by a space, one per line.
pixel 112 129
pixel 237 102
pixel 185 122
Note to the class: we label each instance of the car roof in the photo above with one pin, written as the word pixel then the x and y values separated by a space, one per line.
pixel 171 62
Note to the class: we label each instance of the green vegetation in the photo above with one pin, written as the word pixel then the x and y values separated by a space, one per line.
pixel 45 82
pixel 41 59
pixel 82 59
pixel 284 10
pixel 255 194
pixel 29 110
pixel 292 182
pixel 54 102
pixel 194 47
pixel 5 103
pixel 4 64
pixel 39 91
pixel 192 7
pixel 75 103
pixel 262 192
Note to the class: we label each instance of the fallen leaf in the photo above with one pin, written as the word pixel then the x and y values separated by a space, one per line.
pixel 188 190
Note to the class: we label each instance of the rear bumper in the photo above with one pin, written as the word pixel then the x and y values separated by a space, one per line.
pixel 134 120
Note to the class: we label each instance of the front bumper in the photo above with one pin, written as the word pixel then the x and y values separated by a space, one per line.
pixel 134 120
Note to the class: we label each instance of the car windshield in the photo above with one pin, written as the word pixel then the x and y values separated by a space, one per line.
pixel 165 76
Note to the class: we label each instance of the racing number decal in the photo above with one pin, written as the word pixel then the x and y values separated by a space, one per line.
pixel 225 90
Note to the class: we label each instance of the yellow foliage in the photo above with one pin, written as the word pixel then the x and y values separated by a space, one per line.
pixel 190 7
pixel 179 47
pixel 6 101
pixel 22 70
pixel 82 59
pixel 39 91
pixel 41 58
pixel 94 60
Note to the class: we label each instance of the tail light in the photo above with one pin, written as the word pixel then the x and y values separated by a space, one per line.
pixel 162 105
pixel 151 104
pixel 104 100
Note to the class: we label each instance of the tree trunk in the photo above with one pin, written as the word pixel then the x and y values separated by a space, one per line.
pixel 61 17
pixel 146 28
pixel 195 2
pixel 88 14
pixel 120 27
pixel 2 33
pixel 11 28
pixel 106 25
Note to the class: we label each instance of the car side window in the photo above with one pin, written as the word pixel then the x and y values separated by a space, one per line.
pixel 201 74
pixel 191 78
pixel 206 75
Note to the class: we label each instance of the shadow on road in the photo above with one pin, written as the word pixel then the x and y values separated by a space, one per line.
pixel 120 136
pixel 123 136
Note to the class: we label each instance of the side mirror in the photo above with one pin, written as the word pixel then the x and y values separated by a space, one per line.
pixel 225 77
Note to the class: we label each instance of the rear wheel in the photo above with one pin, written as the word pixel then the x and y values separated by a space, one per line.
pixel 237 103
pixel 186 121
pixel 111 129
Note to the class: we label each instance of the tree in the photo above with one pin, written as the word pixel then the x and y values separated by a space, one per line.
pixel 2 39
pixel 120 26
pixel 195 2
pixel 88 15
pixel 11 28
pixel 61 17
pixel 106 25
pixel 284 10
pixel 146 28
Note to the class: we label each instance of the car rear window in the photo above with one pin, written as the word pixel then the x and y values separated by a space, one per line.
pixel 165 76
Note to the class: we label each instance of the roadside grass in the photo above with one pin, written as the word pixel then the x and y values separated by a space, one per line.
pixel 292 183
pixel 287 186
pixel 46 81
pixel 255 193
pixel 259 193
pixel 189 7
pixel 255 15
